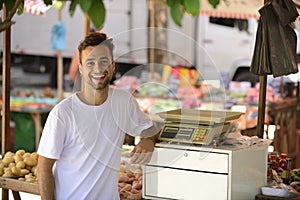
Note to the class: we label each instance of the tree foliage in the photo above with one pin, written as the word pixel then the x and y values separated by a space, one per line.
pixel 96 11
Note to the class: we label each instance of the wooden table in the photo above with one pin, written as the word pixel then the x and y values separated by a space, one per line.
pixel 17 186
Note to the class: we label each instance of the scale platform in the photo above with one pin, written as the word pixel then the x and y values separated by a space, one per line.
pixel 195 126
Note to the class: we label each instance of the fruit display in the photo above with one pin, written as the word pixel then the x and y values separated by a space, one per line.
pixel 295 175
pixel 129 83
pixel 153 89
pixel 21 165
pixel 161 105
pixel 32 103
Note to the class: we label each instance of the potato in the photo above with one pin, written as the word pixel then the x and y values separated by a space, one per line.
pixel 29 161
pixel 34 170
pixel 8 160
pixel 28 176
pixel 24 172
pixel 31 180
pixel 12 164
pixel 18 158
pixel 16 171
pixel 3 165
pixel 26 155
pixel 8 173
pixel 8 154
pixel 20 152
pixel 21 164
pixel 7 170
pixel 35 155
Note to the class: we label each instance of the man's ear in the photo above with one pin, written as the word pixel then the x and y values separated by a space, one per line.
pixel 113 65
pixel 80 68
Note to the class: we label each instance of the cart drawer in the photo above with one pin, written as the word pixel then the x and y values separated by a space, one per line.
pixel 193 160
pixel 185 184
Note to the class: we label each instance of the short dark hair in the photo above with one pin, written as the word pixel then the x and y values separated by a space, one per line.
pixel 94 39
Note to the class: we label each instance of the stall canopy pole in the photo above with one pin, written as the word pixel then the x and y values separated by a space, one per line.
pixel 261 106
pixel 152 37
pixel 59 66
pixel 262 102
pixel 5 112
pixel 86 25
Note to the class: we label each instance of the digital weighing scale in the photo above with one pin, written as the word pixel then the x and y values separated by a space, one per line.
pixel 195 126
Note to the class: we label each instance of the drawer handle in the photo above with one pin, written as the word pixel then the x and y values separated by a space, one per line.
pixel 185 154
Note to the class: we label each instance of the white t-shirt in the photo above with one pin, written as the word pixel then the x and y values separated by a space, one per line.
pixel 86 142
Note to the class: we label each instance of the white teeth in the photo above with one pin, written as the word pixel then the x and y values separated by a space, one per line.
pixel 99 76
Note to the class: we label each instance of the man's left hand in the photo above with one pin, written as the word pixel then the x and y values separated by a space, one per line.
pixel 142 152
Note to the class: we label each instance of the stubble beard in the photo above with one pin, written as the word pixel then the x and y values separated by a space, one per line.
pixel 102 85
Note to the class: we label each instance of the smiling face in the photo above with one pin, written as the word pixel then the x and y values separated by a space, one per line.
pixel 97 67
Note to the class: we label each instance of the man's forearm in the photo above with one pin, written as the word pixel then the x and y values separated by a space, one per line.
pixel 45 179
pixel 46 186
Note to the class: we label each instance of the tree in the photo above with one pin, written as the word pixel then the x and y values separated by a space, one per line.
pixel 96 11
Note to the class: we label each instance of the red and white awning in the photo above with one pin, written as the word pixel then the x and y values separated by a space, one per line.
pixel 241 9
pixel 36 7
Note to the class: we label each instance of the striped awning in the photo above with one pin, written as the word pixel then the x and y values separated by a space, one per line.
pixel 241 9
pixel 36 7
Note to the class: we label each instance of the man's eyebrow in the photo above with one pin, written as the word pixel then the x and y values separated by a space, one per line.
pixel 104 58
pixel 89 59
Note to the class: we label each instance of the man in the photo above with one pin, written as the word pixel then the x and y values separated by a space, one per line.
pixel 80 148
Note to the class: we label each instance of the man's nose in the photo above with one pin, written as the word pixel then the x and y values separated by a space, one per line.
pixel 101 66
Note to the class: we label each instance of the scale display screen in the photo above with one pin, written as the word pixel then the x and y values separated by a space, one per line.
pixel 180 133
pixel 187 133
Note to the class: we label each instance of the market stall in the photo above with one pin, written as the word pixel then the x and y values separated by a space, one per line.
pixel 226 174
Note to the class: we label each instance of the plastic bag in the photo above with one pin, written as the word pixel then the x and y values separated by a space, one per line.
pixel 275 46
pixel 58 36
